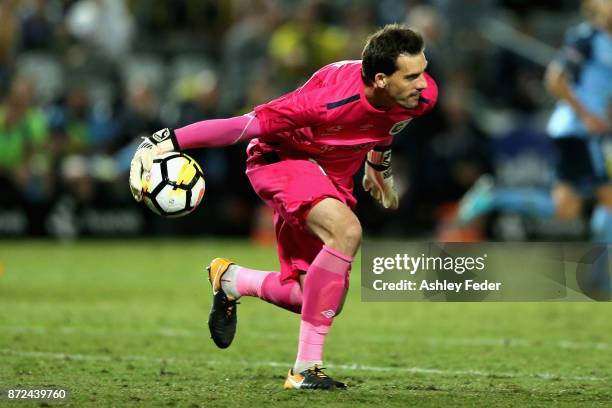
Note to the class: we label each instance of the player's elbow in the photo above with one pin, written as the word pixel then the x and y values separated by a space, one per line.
pixel 555 79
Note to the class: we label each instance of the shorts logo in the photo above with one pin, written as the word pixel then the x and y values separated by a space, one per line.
pixel 328 313
pixel 398 127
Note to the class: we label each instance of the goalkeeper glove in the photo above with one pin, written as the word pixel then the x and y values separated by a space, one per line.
pixel 378 177
pixel 160 142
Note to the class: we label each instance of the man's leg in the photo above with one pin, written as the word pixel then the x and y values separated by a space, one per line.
pixel 296 251
pixel 319 237
pixel 325 284
pixel 239 281
pixel 601 232
pixel 296 247
pixel 484 198
pixel 601 220
pixel 230 281
pixel 568 202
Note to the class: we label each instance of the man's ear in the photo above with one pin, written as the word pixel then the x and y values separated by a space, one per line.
pixel 380 80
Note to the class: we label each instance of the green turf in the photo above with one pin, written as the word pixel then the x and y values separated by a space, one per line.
pixel 123 323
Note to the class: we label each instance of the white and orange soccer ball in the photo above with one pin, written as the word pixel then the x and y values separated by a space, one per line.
pixel 175 186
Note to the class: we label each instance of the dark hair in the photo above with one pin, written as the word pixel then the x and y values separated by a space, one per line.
pixel 384 46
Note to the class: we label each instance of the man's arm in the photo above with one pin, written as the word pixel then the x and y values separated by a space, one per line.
pixel 295 110
pixel 218 132
pixel 207 133
pixel 566 67
pixel 292 111
pixel 558 83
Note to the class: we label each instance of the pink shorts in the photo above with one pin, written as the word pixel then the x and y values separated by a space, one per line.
pixel 291 187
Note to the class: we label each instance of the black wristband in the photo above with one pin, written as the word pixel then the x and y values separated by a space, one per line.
pixel 163 135
pixel 377 167
pixel 175 144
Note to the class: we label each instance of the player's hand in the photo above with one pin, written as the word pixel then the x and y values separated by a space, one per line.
pixel 594 124
pixel 160 142
pixel 378 178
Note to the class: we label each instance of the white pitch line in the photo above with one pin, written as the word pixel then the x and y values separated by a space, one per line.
pixel 512 342
pixel 275 364
pixel 443 341
pixel 163 331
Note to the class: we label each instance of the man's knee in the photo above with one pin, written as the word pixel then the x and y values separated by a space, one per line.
pixel 351 233
pixel 336 225
pixel 569 210
pixel 604 196
pixel 568 203
pixel 345 235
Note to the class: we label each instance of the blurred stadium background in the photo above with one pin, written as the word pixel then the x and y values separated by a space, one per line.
pixel 81 80
pixel 122 321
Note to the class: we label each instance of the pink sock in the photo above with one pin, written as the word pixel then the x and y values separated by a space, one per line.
pixel 325 283
pixel 269 287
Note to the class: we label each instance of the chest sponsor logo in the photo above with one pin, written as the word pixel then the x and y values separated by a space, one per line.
pixel 366 127
pixel 353 148
pixel 332 130
pixel 398 127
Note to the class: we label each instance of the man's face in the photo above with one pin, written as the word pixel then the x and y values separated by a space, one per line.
pixel 605 11
pixel 601 13
pixel 405 85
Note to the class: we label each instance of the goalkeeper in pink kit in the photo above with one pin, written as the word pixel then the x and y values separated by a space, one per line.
pixel 304 149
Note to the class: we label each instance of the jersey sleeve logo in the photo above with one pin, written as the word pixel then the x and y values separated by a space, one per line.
pixel 399 126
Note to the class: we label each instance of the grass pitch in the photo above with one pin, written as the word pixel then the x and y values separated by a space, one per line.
pixel 124 323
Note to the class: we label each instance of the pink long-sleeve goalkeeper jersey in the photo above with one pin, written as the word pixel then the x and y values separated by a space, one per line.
pixel 329 120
